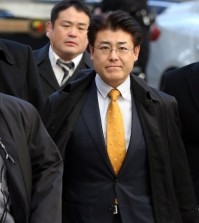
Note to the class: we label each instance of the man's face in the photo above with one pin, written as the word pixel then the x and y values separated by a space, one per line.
pixel 68 35
pixel 114 55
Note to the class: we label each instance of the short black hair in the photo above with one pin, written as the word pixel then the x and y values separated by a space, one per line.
pixel 62 5
pixel 115 20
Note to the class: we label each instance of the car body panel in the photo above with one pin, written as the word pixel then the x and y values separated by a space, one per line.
pixel 178 44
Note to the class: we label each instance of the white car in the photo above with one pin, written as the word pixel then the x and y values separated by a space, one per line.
pixel 175 40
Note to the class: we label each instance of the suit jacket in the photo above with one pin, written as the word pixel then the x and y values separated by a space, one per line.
pixel 18 73
pixel 47 76
pixel 183 84
pixel 170 183
pixel 33 163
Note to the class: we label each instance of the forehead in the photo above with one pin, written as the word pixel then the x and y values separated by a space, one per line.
pixel 72 14
pixel 113 37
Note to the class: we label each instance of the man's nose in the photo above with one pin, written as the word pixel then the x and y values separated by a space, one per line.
pixel 72 31
pixel 113 53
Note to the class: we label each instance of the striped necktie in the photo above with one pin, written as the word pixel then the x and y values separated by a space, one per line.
pixel 115 132
pixel 65 66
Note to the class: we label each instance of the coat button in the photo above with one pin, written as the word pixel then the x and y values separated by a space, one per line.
pixel 116 181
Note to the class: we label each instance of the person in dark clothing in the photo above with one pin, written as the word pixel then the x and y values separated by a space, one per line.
pixel 149 180
pixel 19 75
pixel 67 31
pixel 183 83
pixel 30 166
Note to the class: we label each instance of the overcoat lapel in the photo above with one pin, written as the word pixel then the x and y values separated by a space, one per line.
pixel 45 68
pixel 136 134
pixel 91 115
pixel 47 74
pixel 150 116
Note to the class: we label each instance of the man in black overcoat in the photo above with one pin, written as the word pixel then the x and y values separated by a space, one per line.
pixel 19 74
pixel 182 83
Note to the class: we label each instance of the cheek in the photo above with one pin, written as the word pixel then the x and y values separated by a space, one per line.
pixel 59 32
pixel 55 35
pixel 96 60
pixel 83 42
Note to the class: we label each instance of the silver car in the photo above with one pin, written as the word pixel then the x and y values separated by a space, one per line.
pixel 175 40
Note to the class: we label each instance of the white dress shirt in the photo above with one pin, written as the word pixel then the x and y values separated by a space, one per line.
pixel 124 102
pixel 58 71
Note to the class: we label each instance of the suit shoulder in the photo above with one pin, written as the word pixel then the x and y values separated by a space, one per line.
pixel 13 104
pixel 180 73
pixel 10 44
pixel 41 54
pixel 43 49
pixel 163 96
pixel 150 92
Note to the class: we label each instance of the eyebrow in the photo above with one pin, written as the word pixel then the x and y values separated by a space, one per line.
pixel 118 43
pixel 79 24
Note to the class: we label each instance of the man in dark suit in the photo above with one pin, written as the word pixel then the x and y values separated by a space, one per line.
pixel 183 84
pixel 18 73
pixel 30 166
pixel 67 32
pixel 153 183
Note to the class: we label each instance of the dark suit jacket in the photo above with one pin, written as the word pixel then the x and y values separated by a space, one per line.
pixel 33 163
pixel 183 83
pixel 170 182
pixel 18 73
pixel 47 76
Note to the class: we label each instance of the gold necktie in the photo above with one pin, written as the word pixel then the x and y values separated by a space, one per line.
pixel 115 132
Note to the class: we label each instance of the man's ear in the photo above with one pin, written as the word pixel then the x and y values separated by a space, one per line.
pixel 49 28
pixel 136 52
pixel 91 50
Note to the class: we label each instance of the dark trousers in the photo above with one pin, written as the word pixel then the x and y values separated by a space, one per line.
pixel 117 218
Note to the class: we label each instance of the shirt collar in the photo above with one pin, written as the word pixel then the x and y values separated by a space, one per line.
pixel 54 57
pixel 104 88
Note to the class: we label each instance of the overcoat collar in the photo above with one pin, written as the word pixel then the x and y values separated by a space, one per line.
pixel 72 97
pixel 74 91
pixel 45 68
pixel 5 52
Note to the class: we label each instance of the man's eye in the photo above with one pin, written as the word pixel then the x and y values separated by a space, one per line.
pixel 104 48
pixel 122 49
pixel 81 28
pixel 65 25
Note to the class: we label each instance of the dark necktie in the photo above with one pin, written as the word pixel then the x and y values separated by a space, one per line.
pixel 65 66
pixel 115 132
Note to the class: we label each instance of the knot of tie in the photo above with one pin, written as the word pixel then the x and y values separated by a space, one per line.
pixel 65 65
pixel 114 94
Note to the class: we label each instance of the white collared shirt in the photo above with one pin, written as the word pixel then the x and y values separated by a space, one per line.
pixel 124 102
pixel 59 73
